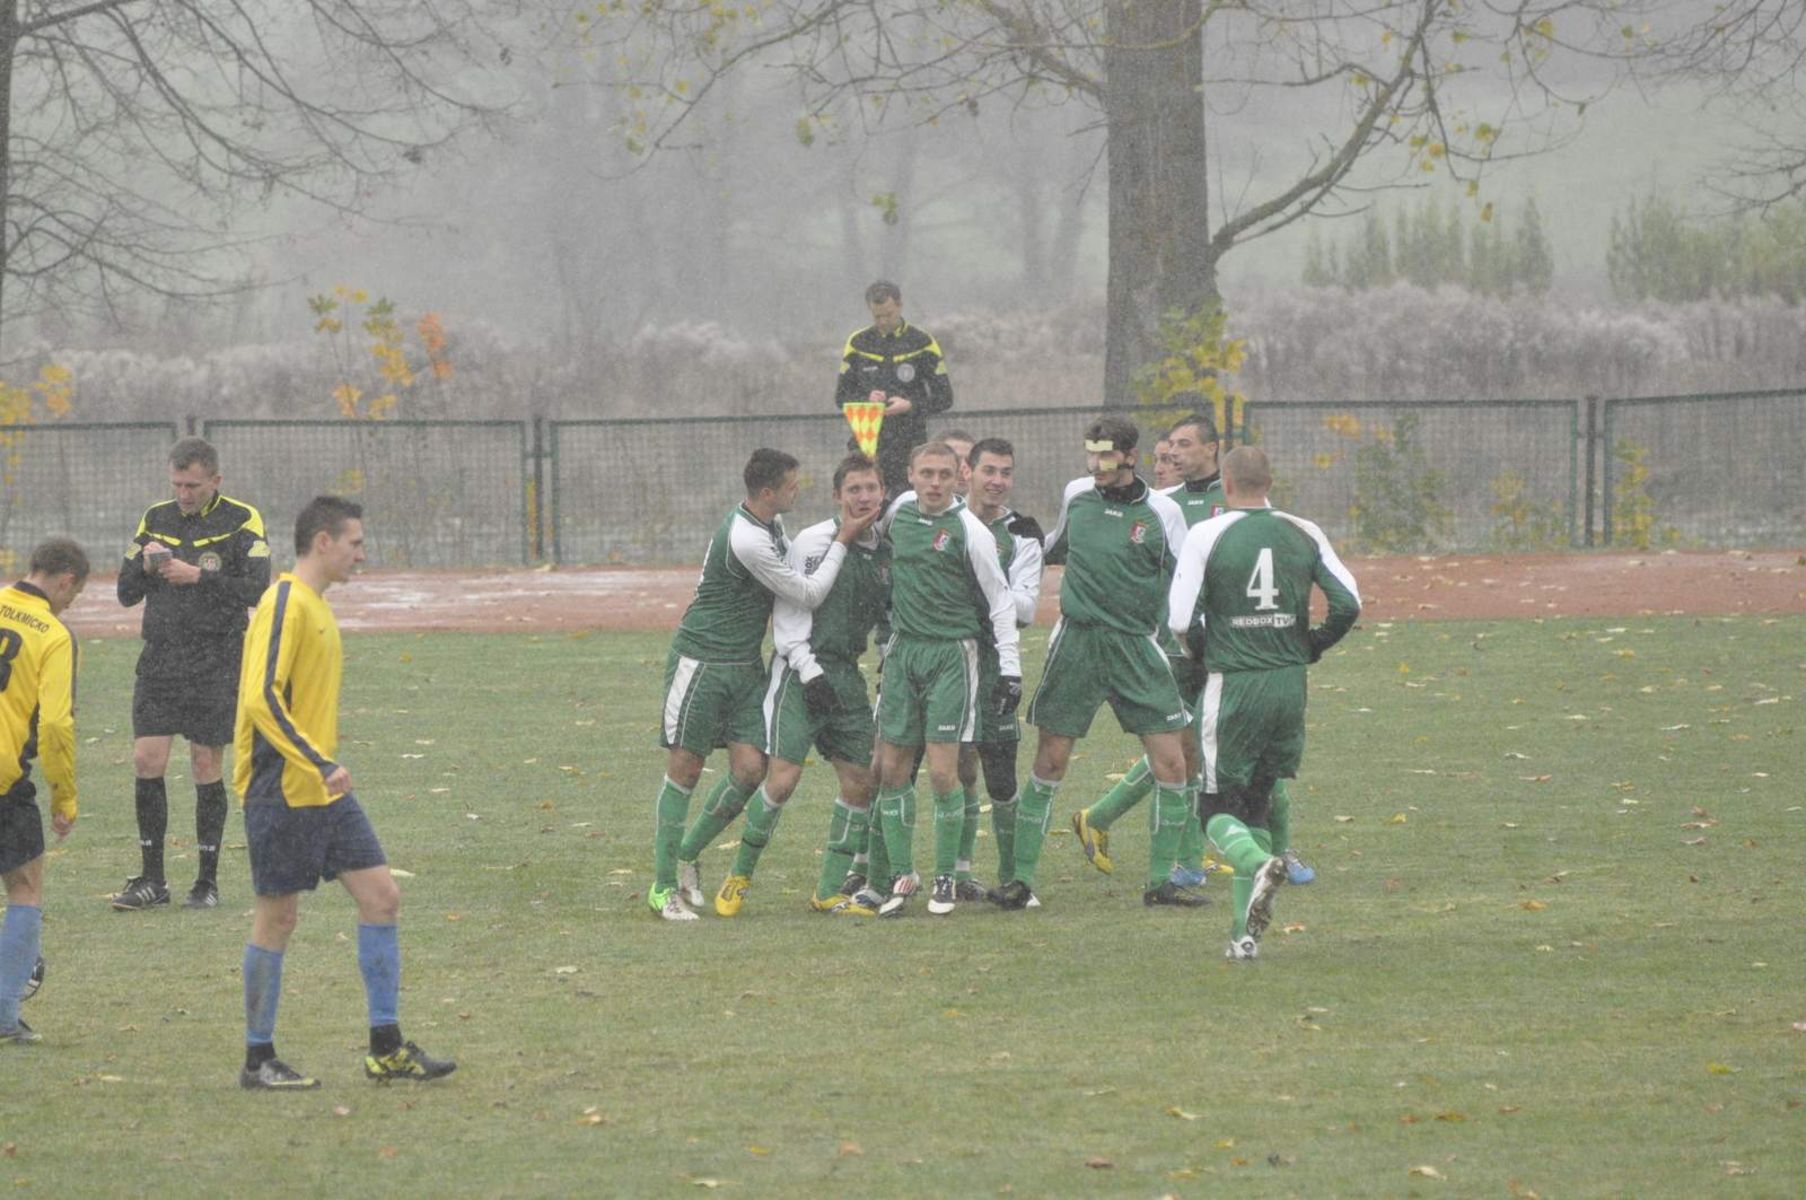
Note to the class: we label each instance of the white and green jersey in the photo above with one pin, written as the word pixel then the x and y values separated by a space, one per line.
pixel 1119 547
pixel 1021 560
pixel 745 569
pixel 1198 499
pixel 838 628
pixel 945 579
pixel 1247 576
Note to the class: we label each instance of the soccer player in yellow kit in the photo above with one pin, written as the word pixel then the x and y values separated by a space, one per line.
pixel 37 716
pixel 302 822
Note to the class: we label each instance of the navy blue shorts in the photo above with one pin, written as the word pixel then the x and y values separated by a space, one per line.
pixel 293 849
pixel 21 833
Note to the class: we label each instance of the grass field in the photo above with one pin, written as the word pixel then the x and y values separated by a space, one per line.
pixel 1555 947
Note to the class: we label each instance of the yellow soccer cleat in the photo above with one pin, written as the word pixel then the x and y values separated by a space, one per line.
pixel 731 896
pixel 1094 842
pixel 833 903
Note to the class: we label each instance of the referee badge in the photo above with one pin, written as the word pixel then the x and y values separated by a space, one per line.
pixel 906 372
pixel 209 561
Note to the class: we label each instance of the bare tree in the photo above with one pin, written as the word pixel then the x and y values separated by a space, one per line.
pixel 134 133
pixel 1382 83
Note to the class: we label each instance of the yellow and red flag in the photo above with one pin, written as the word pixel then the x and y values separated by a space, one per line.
pixel 867 418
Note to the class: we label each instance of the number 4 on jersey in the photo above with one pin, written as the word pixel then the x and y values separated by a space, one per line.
pixel 1260 584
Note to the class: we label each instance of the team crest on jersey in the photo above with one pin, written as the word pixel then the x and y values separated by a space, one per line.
pixel 941 538
pixel 1138 532
pixel 209 561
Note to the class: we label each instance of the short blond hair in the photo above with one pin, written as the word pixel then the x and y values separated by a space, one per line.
pixel 1246 469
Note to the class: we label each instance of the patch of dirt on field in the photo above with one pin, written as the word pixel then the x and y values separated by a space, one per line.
pixel 1392 589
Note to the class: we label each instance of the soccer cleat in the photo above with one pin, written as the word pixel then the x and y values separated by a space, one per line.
pixel 34 981
pixel 853 884
pixel 868 897
pixel 140 893
pixel 1171 895
pixel 21 1034
pixel 1094 842
pixel 204 894
pixel 409 1062
pixel 833 903
pixel 854 907
pixel 1188 877
pixel 1242 949
pixel 669 905
pixel 901 889
pixel 941 897
pixel 731 896
pixel 970 889
pixel 1015 894
pixel 1297 872
pixel 274 1075
pixel 689 883
pixel 1267 879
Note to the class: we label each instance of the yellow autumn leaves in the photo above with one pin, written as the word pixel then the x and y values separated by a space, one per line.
pixel 388 366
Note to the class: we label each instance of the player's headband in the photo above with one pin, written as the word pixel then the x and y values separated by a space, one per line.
pixel 1102 446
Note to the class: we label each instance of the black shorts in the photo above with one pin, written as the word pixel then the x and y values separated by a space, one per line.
pixel 200 707
pixel 293 849
pixel 21 833
pixel 1252 805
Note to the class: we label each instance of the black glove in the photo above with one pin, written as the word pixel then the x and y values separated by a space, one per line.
pixel 1195 677
pixel 1025 526
pixel 1007 695
pixel 819 697
pixel 1318 646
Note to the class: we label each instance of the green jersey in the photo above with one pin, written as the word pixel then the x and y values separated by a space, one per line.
pixel 837 630
pixel 745 569
pixel 1199 499
pixel 1247 575
pixel 1119 546
pixel 946 582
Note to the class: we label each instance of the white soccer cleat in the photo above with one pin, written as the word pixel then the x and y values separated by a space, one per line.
pixel 1242 949
pixel 943 896
pixel 1267 880
pixel 672 908
pixel 689 884
pixel 902 888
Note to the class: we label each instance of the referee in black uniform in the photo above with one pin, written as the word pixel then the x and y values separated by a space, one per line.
pixel 903 363
pixel 198 562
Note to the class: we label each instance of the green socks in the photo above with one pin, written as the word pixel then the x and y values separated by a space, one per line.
pixel 1125 794
pixel 1169 827
pixel 1279 817
pixel 1191 841
pixel 897 825
pixel 761 818
pixel 949 830
pixel 1034 808
pixel 718 812
pixel 668 811
pixel 968 836
pixel 1003 828
pixel 847 827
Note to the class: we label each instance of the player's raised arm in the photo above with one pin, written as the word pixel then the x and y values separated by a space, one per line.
pixel 135 575
pixel 791 623
pixel 271 647
pixel 981 556
pixel 757 551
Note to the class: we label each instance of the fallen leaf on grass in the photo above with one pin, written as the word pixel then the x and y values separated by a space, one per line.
pixel 1099 1163
pixel 761 1151
pixel 565 971
pixel 1226 1144
pixel 1426 1172
pixel 401 874
pixel 1396 819
pixel 1799 1026
pixel 1737 1168
pixel 1718 1068
pixel 1698 841
pixel 1451 1117
pixel 1294 927
pixel 851 1150
pixel 1505 1110
pixel 1533 906
pixel 1344 820
pixel 711 1184
pixel 1176 1111
pixel 9 1149
pixel 386 1152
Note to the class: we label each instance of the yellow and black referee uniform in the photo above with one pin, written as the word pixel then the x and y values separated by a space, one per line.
pixel 906 363
pixel 37 720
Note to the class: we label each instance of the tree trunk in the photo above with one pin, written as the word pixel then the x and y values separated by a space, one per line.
pixel 1160 258
pixel 9 47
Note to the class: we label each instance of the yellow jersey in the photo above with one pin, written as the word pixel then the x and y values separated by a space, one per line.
pixel 37 698
pixel 288 698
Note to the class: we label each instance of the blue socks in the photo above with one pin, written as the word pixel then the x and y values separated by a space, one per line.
pixel 19 939
pixel 263 988
pixel 379 959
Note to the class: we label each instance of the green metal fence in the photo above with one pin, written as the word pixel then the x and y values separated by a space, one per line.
pixel 651 491
pixel 1724 470
pixel 1428 476
pixel 86 480
pixel 435 493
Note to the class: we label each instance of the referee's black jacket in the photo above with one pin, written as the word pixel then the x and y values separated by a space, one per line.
pixel 907 363
pixel 225 539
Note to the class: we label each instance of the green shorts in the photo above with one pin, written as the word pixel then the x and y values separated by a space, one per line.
pixel 1251 724
pixel 930 691
pixel 710 705
pixel 791 729
pixel 991 727
pixel 1088 665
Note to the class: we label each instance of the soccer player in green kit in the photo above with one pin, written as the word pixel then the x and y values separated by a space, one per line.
pixel 1119 539
pixel 946 585
pixel 1246 577
pixel 715 675
pixel 817 696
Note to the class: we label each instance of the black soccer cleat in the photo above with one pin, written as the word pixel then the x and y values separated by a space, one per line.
pixel 970 889
pixel 853 884
pixel 204 894
pixel 1014 895
pixel 141 893
pixel 1170 894
pixel 409 1062
pixel 274 1075
pixel 34 982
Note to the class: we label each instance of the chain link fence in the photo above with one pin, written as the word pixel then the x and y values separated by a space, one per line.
pixel 84 480
pixel 435 493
